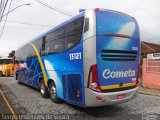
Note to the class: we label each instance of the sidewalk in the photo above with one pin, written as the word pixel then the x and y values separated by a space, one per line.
pixel 148 91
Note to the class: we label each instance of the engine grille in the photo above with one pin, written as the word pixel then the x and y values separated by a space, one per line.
pixel 118 55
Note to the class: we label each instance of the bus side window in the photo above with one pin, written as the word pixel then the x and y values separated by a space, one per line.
pixel 70 45
pixel 48 38
pixel 58 45
pixel 73 33
pixel 43 43
pixel 56 42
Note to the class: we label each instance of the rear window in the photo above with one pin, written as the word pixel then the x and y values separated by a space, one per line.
pixel 5 61
pixel 115 23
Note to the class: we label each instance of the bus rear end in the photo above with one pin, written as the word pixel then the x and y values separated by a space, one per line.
pixel 6 67
pixel 113 77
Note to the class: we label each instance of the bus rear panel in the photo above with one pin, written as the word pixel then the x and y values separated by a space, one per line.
pixel 6 66
pixel 113 76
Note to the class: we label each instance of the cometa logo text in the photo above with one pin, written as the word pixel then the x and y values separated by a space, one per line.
pixel 107 73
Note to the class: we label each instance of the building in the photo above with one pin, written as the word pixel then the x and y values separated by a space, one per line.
pixel 147 48
pixel 150 67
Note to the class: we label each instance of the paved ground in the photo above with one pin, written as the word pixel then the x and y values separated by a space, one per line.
pixel 3 107
pixel 26 100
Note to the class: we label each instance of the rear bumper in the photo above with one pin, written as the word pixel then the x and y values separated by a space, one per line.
pixel 108 98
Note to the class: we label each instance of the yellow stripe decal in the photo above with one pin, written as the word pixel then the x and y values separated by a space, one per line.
pixel 41 64
pixel 9 106
pixel 117 86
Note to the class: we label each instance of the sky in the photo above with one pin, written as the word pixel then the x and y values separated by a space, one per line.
pixel 40 19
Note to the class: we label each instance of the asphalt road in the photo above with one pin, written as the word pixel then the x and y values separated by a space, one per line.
pixel 28 101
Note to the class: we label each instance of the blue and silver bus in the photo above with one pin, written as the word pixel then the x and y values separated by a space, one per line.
pixel 89 60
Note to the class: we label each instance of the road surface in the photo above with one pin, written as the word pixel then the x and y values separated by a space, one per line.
pixel 28 101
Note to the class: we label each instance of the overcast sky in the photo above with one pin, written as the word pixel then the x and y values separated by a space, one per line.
pixel 147 13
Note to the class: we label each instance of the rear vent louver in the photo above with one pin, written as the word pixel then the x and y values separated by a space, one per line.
pixel 118 55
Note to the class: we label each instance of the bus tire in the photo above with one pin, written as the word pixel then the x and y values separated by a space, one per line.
pixel 19 82
pixel 43 89
pixel 52 92
pixel 17 78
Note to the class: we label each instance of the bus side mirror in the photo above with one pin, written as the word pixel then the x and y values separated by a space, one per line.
pixel 86 27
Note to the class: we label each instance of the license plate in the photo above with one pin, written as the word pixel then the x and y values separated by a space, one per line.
pixel 120 96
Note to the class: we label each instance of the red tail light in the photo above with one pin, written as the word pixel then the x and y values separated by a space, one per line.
pixel 97 9
pixel 93 82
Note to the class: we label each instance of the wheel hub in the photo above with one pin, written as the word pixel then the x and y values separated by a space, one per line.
pixel 42 88
pixel 53 92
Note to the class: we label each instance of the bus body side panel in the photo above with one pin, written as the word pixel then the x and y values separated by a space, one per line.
pixel 89 50
pixel 33 72
pixel 66 69
pixel 28 69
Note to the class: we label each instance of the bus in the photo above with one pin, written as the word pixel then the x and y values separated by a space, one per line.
pixel 6 66
pixel 89 60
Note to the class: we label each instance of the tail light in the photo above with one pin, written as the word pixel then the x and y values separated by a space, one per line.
pixel 93 82
pixel 97 9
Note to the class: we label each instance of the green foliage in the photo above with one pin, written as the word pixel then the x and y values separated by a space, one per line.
pixel 12 53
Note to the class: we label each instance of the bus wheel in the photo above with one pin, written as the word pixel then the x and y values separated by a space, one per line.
pixel 17 78
pixel 43 90
pixel 53 92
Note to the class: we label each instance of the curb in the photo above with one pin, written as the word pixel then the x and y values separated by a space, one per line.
pixel 149 94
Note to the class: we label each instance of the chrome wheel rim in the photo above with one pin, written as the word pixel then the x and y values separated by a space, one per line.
pixel 53 92
pixel 42 88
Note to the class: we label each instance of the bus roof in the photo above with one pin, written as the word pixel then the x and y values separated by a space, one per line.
pixel 70 20
pixel 114 11
pixel 60 25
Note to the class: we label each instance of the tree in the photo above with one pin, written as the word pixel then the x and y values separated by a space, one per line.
pixel 12 53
